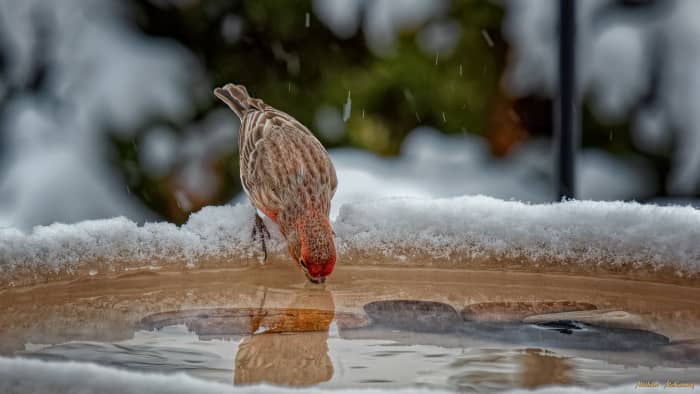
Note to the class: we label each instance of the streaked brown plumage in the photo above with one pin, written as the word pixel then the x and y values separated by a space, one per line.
pixel 287 175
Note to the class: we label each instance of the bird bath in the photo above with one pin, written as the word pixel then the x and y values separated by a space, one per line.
pixel 381 326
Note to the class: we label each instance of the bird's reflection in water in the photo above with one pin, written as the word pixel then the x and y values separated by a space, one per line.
pixel 290 345
pixel 285 344
pixel 540 367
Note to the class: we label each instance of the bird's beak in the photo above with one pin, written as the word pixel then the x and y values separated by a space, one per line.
pixel 318 281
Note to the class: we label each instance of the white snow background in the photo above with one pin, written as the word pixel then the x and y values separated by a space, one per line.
pixel 53 170
pixel 622 54
pixel 53 167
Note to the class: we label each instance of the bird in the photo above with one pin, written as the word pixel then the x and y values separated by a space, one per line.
pixel 289 177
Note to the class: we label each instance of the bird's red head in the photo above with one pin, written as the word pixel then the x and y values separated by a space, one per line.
pixel 315 252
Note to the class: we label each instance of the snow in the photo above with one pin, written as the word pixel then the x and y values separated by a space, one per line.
pixel 439 37
pixel 341 16
pixel 54 168
pixel 157 154
pixel 427 181
pixel 213 231
pixel 347 108
pixel 35 376
pixel 329 123
pixel 203 142
pixel 58 177
pixel 461 229
pixel 487 38
pixel 381 20
pixel 232 28
pixel 582 232
pixel 624 54
pixel 434 165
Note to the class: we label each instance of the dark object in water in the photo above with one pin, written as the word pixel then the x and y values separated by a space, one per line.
pixel 246 321
pixel 412 315
pixel 566 334
pixel 436 317
pixel 514 311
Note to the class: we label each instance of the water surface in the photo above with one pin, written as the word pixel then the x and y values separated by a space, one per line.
pixel 471 331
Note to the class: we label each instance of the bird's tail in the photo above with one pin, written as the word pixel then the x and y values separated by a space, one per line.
pixel 235 96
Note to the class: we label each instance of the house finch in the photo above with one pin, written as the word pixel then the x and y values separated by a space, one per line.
pixel 288 175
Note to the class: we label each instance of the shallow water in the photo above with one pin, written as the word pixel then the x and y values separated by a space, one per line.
pixel 368 327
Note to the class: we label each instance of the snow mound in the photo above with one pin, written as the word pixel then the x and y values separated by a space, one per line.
pixel 436 165
pixel 478 226
pixel 459 231
pixel 34 376
pixel 224 232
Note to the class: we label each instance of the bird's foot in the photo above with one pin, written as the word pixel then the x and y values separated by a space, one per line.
pixel 260 230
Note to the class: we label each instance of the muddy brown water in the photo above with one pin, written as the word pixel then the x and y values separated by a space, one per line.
pixel 465 330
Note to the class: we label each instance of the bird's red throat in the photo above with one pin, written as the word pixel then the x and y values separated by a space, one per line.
pixel 317 246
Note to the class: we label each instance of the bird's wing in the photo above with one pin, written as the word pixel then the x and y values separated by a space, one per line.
pixel 251 131
pixel 283 165
pixel 256 125
pixel 290 125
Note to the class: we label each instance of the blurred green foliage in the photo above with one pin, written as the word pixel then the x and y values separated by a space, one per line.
pixel 299 68
pixel 268 47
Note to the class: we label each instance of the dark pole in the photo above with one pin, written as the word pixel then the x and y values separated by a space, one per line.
pixel 565 111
